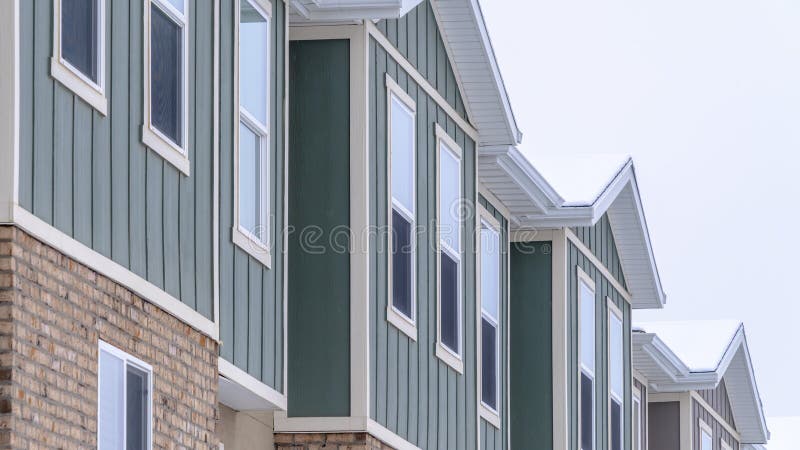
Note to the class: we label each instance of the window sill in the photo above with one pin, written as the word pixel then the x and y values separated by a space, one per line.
pixel 80 87
pixel 401 322
pixel 490 415
pixel 252 247
pixel 167 150
pixel 455 362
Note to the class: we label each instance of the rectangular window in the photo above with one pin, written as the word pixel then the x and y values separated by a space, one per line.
pixel 402 220
pixel 252 231
pixel 587 348
pixel 79 49
pixel 124 401
pixel 616 369
pixel 706 437
pixel 166 100
pixel 490 292
pixel 449 223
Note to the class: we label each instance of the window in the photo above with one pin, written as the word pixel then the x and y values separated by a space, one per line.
pixel 706 437
pixel 449 257
pixel 616 377
pixel 587 348
pixel 490 292
pixel 166 83
pixel 124 401
pixel 402 219
pixel 252 230
pixel 638 422
pixel 79 49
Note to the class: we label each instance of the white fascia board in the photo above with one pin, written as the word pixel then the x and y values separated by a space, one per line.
pixel 347 10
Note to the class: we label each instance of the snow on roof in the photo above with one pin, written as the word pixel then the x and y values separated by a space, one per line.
pixel 579 179
pixel 700 344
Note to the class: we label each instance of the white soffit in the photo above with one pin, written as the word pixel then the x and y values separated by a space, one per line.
pixel 324 11
pixel 697 355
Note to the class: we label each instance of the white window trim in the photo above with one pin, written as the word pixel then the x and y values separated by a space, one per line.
pixel 259 249
pixel 724 445
pixel 407 325
pixel 139 364
pixel 637 405
pixel 177 155
pixel 92 93
pixel 583 277
pixel 705 428
pixel 491 415
pixel 451 358
pixel 614 311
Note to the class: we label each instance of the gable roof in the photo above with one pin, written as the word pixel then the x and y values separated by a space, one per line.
pixel 697 355
pixel 556 192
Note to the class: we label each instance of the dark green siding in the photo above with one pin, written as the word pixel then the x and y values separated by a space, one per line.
pixel 603 289
pixel 600 240
pixel 251 294
pixel 532 344
pixel 413 393
pixel 718 399
pixel 416 35
pixel 720 433
pixel 89 175
pixel 319 207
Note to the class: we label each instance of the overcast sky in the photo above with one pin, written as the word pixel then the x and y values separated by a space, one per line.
pixel 705 95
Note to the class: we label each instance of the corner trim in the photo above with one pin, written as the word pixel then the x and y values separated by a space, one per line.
pixel 111 269
pixel 9 111
pixel 561 419
pixel 252 384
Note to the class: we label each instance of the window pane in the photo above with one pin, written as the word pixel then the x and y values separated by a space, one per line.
pixel 587 326
pixel 110 421
pixel 79 35
pixel 402 264
pixel 253 62
pixel 490 271
pixel 137 420
pixel 637 425
pixel 488 363
pixel 449 198
pixel 250 181
pixel 616 425
pixel 402 134
pixel 616 362
pixel 706 442
pixel 449 306
pixel 177 4
pixel 166 93
pixel 587 412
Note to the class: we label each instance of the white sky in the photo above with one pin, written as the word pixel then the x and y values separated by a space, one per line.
pixel 705 95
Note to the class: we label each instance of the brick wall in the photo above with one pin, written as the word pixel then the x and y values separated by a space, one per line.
pixel 53 310
pixel 335 441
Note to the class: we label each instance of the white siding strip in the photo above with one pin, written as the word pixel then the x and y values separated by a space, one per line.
pixel 9 110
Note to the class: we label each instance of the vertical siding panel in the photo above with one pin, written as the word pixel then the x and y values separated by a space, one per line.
pixel 280 131
pixel 434 364
pixel 411 25
pixel 393 344
pixel 82 164
pixel 402 34
pixel 424 268
pixel 170 237
pixel 226 263
pixel 380 190
pixel 256 324
pixel 240 309
pixel 270 321
pixel 468 316
pixel 101 182
pixel 403 341
pixel 373 212
pixel 43 113
pixel 62 160
pixel 137 152
pixel 119 108
pixel 27 44
pixel 155 223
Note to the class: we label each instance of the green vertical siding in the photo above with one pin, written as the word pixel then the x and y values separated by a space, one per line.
pixel 532 344
pixel 319 205
pixel 720 433
pixel 89 176
pixel 718 399
pixel 603 290
pixel 413 393
pixel 600 240
pixel 416 35
pixel 251 294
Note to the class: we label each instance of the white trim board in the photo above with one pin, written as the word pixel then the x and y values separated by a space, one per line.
pixel 710 410
pixel 598 264
pixel 9 111
pixel 53 237
pixel 560 355
pixel 355 424
pixel 243 392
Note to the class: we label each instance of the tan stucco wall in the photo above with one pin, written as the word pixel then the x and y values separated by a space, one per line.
pixel 245 430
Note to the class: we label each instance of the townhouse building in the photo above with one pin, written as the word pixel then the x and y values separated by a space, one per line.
pixel 703 391
pixel 292 224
